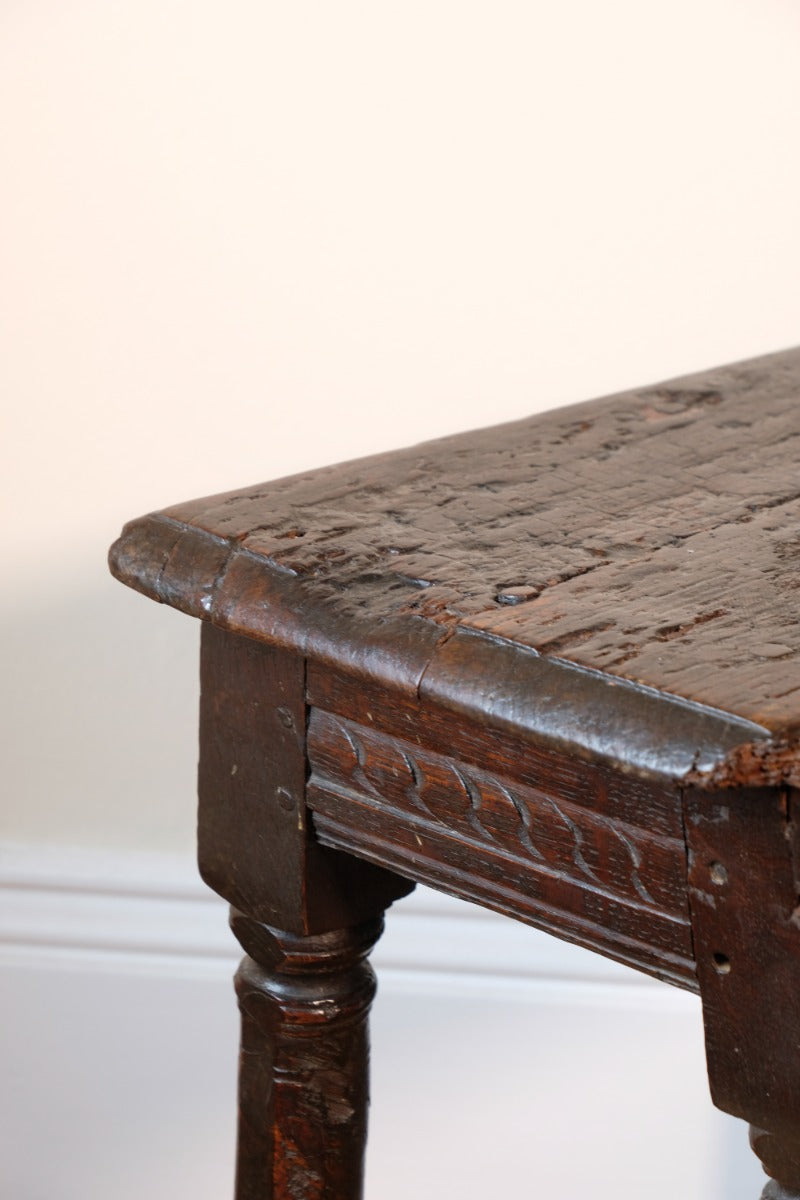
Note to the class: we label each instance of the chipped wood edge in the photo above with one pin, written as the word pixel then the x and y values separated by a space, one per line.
pixel 770 763
pixel 635 728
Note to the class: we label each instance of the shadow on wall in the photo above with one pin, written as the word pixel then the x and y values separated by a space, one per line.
pixel 99 718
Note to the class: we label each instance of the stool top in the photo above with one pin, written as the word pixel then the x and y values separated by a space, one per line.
pixel 620 576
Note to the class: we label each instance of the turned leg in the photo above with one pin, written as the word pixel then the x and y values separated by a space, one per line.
pixel 303 1086
pixel 306 917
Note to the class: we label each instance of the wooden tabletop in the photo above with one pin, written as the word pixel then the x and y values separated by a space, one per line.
pixel 619 576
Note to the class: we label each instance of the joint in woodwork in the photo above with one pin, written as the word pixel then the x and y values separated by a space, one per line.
pixel 305 981
pixel 257 845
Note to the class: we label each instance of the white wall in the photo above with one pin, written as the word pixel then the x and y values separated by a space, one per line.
pixel 242 239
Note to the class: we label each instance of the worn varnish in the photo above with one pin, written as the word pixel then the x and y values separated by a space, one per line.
pixel 654 537
pixel 553 667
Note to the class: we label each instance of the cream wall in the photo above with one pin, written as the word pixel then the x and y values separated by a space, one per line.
pixel 242 239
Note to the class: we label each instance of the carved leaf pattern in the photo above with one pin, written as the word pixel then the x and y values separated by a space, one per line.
pixel 520 822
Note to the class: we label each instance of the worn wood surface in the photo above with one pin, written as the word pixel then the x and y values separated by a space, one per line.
pixel 305 914
pixel 376 817
pixel 744 880
pixel 303 1085
pixel 553 667
pixel 653 537
pixel 556 863
pixel 255 844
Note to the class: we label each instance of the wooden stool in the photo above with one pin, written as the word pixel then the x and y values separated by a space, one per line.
pixel 552 667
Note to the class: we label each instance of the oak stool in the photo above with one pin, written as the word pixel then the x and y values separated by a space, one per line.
pixel 552 667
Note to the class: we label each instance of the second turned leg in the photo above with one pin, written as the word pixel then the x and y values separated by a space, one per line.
pixel 303 1084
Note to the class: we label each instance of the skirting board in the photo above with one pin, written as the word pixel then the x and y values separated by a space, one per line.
pixel 104 907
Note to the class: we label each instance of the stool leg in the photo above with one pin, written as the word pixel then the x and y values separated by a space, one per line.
pixel 306 917
pixel 303 1068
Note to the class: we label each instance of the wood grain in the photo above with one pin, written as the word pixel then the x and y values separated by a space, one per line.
pixel 255 846
pixel 464 730
pixel 652 537
pixel 303 1086
pixel 555 863
pixel 744 878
